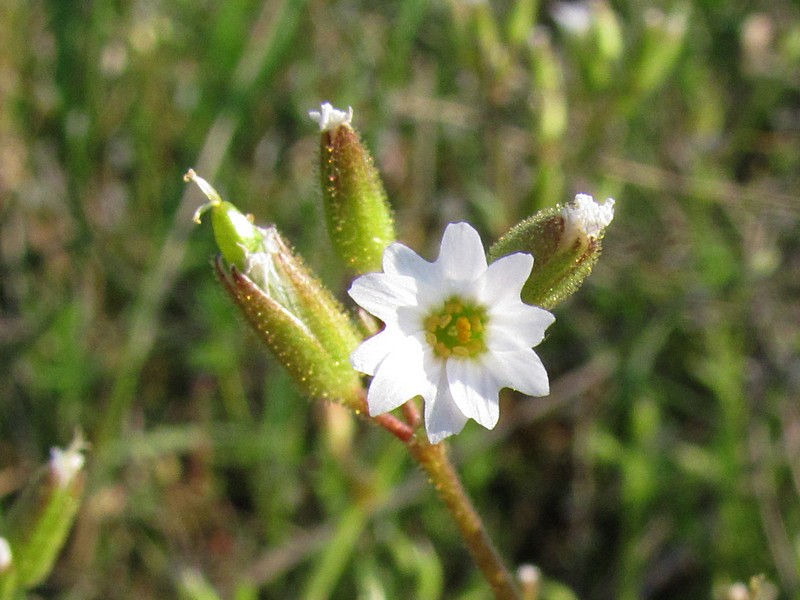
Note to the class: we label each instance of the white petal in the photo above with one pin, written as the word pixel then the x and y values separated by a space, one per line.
pixel 381 294
pixel 574 17
pixel 504 278
pixel 400 377
pixel 6 557
pixel 461 255
pixel 367 357
pixel 66 464
pixel 442 416
pixel 402 260
pixel 515 327
pixel 521 370
pixel 409 320
pixel 475 391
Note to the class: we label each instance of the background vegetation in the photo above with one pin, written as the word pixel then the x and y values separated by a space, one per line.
pixel 666 462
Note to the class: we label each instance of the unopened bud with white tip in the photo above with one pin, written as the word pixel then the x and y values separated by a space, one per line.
pixel 357 213
pixel 66 464
pixel 565 244
pixel 40 519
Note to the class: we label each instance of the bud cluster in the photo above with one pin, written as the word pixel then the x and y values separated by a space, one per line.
pixel 300 320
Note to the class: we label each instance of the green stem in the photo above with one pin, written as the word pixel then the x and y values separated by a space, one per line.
pixel 433 458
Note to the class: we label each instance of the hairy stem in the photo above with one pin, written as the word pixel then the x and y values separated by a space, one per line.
pixel 434 459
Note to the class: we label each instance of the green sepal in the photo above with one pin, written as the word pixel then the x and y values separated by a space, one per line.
pixel 317 308
pixel 297 349
pixel 357 213
pixel 559 264
pixel 38 524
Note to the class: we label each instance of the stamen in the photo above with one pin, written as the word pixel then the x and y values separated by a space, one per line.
pixel 456 329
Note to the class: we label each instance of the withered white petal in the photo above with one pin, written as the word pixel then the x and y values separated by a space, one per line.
pixel 329 118
pixel 587 216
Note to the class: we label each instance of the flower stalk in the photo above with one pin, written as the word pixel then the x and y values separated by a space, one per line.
pixel 434 460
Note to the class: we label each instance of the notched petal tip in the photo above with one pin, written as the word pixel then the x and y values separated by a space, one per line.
pixel 442 418
pixel 329 118
pixel 462 257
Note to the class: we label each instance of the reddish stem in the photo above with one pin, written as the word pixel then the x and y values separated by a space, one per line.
pixel 411 413
pixel 389 422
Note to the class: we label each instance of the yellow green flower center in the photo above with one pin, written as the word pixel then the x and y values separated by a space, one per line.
pixel 456 329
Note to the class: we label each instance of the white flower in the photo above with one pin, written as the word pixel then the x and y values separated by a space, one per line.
pixel 586 216
pixel 66 464
pixel 456 332
pixel 329 118
pixel 529 575
pixel 5 555
pixel 573 17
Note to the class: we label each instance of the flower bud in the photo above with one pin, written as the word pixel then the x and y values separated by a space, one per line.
pixel 357 212
pixel 659 49
pixel 565 244
pixel 607 32
pixel 595 37
pixel 234 232
pixel 298 318
pixel 194 586
pixel 548 89
pixel 42 516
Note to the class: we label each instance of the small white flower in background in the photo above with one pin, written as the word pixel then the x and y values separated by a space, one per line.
pixel 66 464
pixel 529 576
pixel 456 332
pixel 573 17
pixel 5 555
pixel 584 215
pixel 329 118
pixel 738 591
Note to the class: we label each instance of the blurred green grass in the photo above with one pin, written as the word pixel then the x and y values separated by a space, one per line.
pixel 665 462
